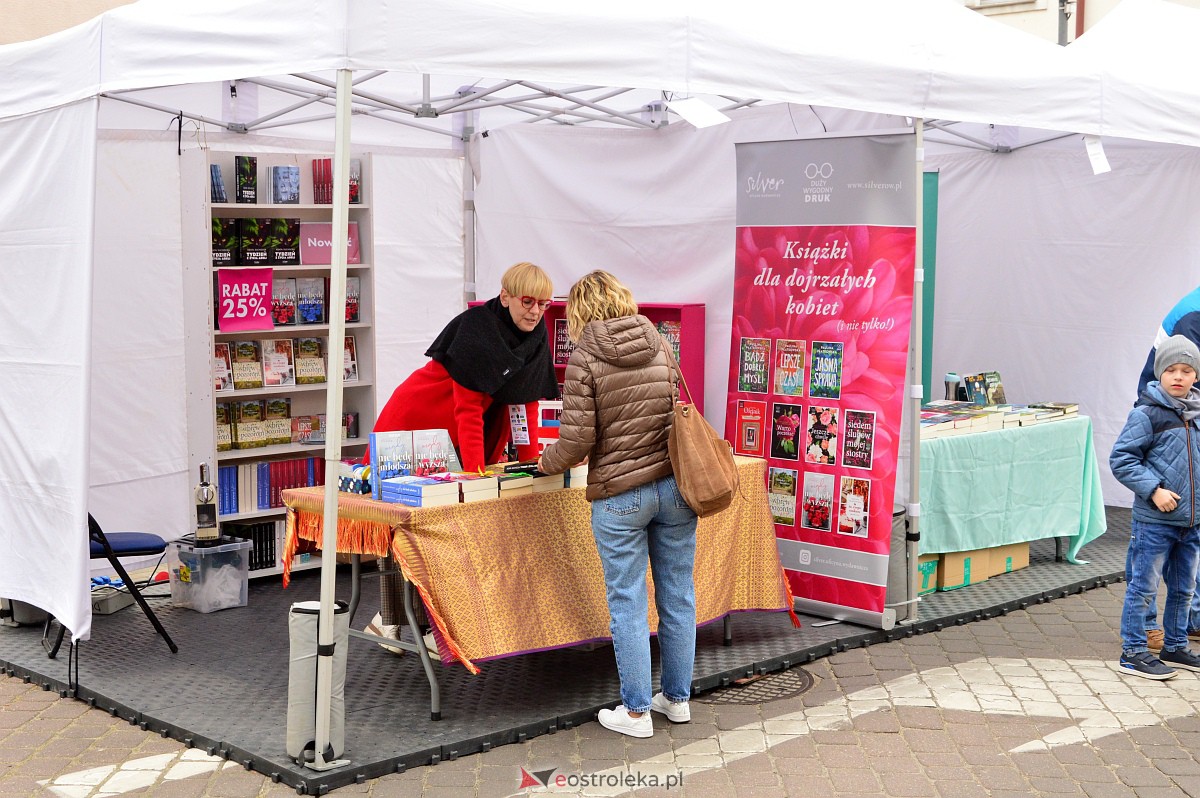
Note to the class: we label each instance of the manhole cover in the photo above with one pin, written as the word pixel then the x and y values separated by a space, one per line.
pixel 757 690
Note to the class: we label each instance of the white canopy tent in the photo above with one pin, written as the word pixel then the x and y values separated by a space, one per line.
pixel 912 58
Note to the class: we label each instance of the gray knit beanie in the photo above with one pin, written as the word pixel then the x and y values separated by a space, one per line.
pixel 1176 349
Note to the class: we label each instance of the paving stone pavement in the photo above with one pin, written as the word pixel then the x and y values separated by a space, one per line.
pixel 1026 704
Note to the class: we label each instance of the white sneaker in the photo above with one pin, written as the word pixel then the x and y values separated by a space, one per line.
pixel 378 628
pixel 619 721
pixel 431 645
pixel 676 712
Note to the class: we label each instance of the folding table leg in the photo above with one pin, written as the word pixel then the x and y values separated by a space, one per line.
pixel 435 697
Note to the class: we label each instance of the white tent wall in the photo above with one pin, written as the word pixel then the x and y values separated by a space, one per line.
pixel 45 357
pixel 1059 278
pixel 656 208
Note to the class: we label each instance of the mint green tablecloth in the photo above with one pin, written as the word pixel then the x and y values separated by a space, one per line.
pixel 1007 486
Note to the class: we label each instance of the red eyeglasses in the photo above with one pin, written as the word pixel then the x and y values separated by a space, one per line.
pixel 528 302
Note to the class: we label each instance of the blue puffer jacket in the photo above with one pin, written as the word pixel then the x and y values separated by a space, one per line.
pixel 1157 447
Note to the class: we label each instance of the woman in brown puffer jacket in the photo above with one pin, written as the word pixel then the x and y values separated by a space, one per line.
pixel 618 399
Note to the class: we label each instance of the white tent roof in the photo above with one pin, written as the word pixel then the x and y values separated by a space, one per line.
pixel 927 58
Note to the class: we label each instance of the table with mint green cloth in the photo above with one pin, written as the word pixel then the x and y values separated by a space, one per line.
pixel 988 489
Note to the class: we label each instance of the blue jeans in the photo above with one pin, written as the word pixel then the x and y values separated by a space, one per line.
pixel 651 520
pixel 1152 611
pixel 1151 546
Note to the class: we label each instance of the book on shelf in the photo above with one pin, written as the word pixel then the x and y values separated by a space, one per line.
pixel 433 452
pixel 563 346
pixel 279 365
pixel 246 170
pixel 283 241
pixel 310 364
pixel 247 365
pixel 984 388
pixel 249 424
pixel 672 331
pixel 277 418
pixel 224 414
pixel 303 427
pixel 350 360
pixel 283 301
pixel 322 172
pixel 316 243
pixel 353 299
pixel 225 244
pixel 252 241
pixel 285 184
pixel 222 367
pixel 216 184
pixel 355 181
pixel 310 300
pixel 391 456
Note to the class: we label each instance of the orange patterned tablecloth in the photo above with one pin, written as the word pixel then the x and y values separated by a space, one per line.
pixel 522 574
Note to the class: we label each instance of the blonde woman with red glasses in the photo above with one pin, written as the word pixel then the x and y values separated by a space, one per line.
pixel 487 358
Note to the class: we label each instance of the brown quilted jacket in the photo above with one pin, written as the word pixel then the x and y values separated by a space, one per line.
pixel 617 407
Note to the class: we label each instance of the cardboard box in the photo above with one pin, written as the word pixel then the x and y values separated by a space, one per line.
pixel 206 579
pixel 107 600
pixel 961 568
pixel 1011 557
pixel 927 568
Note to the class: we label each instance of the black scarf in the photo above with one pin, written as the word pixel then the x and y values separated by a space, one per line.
pixel 484 350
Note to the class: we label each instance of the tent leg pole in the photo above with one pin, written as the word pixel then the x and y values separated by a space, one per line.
pixel 913 511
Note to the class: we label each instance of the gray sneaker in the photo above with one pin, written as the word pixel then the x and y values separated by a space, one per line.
pixel 1146 665
pixel 1183 658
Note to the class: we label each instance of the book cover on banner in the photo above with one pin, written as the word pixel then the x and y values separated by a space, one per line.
pixel 858 438
pixel 750 436
pixel 222 367
pixel 316 244
pixel 821 435
pixel 787 422
pixel 825 370
pixel 789 367
pixel 753 362
pixel 310 364
pixel 781 494
pixel 816 503
pixel 563 346
pixel 283 301
pixel 854 509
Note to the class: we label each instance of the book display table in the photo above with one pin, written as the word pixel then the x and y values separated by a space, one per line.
pixel 1009 486
pixel 521 574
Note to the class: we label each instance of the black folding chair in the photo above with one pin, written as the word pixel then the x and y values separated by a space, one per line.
pixel 111 547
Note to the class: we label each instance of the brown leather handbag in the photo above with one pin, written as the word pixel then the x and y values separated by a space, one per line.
pixel 701 459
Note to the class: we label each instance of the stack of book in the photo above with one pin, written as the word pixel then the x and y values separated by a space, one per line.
pixel 544 482
pixel 577 476
pixel 417 491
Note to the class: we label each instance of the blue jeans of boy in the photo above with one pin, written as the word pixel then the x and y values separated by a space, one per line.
pixel 649 521
pixel 1150 547
pixel 1152 610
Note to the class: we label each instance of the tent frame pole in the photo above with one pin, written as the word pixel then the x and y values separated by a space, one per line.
pixel 333 419
pixel 916 388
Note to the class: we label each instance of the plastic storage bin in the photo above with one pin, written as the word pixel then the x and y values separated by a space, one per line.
pixel 210 578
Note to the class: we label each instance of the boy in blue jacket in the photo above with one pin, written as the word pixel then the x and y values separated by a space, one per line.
pixel 1157 456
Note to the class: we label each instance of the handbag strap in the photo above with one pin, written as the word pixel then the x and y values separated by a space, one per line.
pixel 678 369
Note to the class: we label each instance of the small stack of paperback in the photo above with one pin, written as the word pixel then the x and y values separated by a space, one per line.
pixel 417 491
pixel 577 476
pixel 544 482
pixel 511 483
pixel 1054 411
pixel 472 487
